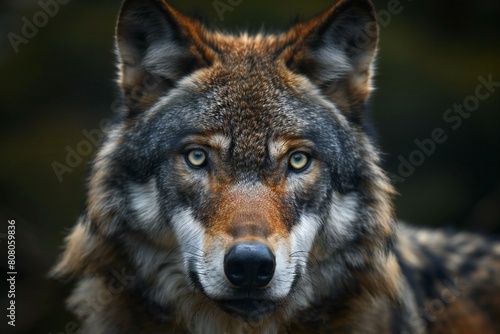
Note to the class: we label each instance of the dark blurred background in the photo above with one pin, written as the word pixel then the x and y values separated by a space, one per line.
pixel 57 83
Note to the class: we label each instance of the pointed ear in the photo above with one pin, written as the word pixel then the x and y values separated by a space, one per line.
pixel 157 46
pixel 335 50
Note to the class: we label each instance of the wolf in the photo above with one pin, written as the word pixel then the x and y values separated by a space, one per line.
pixel 241 190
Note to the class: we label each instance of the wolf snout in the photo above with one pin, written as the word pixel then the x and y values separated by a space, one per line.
pixel 249 265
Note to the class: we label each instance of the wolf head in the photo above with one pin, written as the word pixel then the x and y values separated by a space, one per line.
pixel 241 176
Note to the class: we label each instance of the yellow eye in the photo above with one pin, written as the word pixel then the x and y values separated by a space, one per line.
pixel 196 158
pixel 299 161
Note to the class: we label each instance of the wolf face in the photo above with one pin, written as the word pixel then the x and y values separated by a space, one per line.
pixel 241 176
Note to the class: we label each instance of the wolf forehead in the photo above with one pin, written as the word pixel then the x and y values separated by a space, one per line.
pixel 246 88
pixel 246 92
pixel 244 96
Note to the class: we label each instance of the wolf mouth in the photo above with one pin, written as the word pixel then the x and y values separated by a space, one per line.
pixel 248 309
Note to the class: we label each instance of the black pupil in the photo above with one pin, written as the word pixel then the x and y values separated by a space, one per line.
pixel 298 159
pixel 198 155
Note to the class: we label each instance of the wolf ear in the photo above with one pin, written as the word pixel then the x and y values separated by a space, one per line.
pixel 335 50
pixel 157 46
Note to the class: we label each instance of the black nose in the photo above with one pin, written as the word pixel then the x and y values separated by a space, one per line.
pixel 249 265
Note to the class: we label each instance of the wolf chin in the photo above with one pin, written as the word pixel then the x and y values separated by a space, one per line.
pixel 241 191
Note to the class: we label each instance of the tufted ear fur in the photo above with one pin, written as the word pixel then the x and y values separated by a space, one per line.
pixel 157 46
pixel 336 50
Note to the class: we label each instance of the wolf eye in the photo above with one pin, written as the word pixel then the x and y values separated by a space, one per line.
pixel 196 158
pixel 299 161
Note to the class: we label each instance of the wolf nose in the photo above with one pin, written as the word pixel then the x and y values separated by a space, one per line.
pixel 249 265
